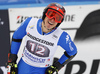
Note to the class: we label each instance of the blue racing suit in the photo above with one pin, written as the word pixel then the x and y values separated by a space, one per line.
pixel 34 57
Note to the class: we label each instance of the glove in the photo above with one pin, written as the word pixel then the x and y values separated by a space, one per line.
pixel 51 70
pixel 11 65
pixel 12 68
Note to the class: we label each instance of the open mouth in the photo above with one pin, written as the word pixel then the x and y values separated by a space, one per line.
pixel 50 23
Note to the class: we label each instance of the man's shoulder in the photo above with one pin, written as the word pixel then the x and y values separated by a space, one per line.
pixel 32 18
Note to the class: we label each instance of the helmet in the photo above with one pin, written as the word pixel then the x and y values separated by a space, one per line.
pixel 57 7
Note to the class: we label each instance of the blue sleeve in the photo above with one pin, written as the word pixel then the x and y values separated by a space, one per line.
pixel 19 34
pixel 68 45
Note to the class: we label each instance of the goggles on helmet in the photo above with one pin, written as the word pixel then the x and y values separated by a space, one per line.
pixel 54 14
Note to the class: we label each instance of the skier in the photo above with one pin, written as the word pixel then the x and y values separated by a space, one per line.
pixel 43 36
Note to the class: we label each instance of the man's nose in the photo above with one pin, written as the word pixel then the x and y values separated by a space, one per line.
pixel 52 19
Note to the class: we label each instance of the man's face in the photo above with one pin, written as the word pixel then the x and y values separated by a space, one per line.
pixel 50 23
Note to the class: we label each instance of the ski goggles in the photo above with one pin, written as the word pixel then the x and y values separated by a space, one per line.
pixel 54 14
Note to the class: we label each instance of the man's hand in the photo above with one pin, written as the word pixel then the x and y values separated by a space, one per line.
pixel 51 70
pixel 12 68
pixel 11 64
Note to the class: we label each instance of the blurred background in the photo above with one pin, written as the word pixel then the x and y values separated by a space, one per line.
pixel 81 22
